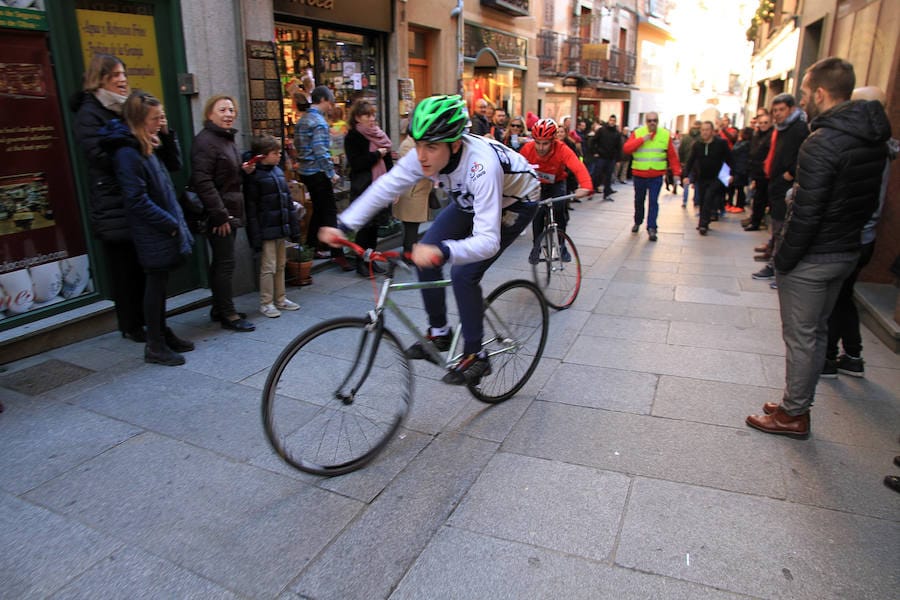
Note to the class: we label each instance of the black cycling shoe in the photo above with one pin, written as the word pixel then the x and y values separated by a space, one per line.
pixel 469 371
pixel 417 351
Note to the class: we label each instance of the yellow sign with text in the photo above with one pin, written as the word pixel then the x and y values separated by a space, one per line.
pixel 130 38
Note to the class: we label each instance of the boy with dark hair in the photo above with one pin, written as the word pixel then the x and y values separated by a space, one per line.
pixel 271 223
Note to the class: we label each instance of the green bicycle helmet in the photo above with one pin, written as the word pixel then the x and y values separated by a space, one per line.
pixel 439 119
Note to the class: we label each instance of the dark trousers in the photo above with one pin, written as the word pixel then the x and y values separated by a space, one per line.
pixel 760 201
pixel 454 223
pixel 221 272
pixel 155 307
pixel 644 187
pixel 324 214
pixel 710 193
pixel 410 235
pixel 843 324
pixel 602 175
pixel 126 278
pixel 560 209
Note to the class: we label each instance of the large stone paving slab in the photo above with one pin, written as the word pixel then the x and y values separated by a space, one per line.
pixel 663 359
pixel 757 546
pixel 674 311
pixel 462 564
pixel 244 528
pixel 194 408
pixel 132 573
pixel 597 387
pixel 39 441
pixel 510 500
pixel 368 558
pixel 726 337
pixel 719 457
pixel 41 551
pixel 685 293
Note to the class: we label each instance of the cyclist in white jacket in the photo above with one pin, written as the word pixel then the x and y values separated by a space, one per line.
pixel 493 193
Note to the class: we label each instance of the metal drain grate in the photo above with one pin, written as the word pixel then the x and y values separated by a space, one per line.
pixel 40 378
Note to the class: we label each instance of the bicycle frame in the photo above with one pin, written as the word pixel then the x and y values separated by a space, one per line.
pixel 550 218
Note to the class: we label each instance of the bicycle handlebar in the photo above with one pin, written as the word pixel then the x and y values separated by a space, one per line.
pixel 556 199
pixel 371 255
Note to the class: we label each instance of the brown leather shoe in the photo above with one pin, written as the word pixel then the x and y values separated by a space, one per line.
pixel 770 407
pixel 781 423
pixel 762 248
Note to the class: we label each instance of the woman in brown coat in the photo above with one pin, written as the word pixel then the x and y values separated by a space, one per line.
pixel 217 180
pixel 411 207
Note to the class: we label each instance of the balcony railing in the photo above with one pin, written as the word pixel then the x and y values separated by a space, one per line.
pixel 560 55
pixel 516 8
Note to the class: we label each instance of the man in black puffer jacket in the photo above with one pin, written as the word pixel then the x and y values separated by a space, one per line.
pixel 838 183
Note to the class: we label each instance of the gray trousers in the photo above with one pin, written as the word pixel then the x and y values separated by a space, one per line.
pixel 806 296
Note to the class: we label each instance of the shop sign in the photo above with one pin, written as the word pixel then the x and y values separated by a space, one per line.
pixel 42 248
pixel 127 36
pixel 20 18
pixel 367 14
pixel 510 49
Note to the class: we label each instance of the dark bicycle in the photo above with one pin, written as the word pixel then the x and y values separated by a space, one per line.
pixel 338 393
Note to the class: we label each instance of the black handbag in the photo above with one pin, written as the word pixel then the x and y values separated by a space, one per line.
pixel 193 209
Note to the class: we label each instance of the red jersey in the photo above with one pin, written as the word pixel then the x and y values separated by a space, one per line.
pixel 551 168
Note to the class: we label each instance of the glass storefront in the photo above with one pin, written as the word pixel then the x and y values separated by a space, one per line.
pixel 348 63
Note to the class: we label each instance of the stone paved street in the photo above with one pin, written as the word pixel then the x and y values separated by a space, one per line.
pixel 622 470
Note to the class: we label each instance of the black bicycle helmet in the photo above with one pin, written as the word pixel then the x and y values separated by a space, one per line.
pixel 439 119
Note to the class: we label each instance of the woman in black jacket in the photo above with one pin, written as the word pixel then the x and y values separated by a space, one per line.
pixel 368 151
pixel 101 99
pixel 216 178
pixel 160 233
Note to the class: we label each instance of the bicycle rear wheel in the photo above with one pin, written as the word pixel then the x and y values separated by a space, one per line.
pixel 516 321
pixel 336 395
pixel 558 279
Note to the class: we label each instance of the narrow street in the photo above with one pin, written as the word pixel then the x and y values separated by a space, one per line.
pixel 623 470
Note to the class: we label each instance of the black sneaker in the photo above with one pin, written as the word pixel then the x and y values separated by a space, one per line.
pixel 636 228
pixel 766 272
pixel 566 257
pixel 469 371
pixel 534 257
pixel 847 365
pixel 417 351
pixel 829 370
pixel 652 234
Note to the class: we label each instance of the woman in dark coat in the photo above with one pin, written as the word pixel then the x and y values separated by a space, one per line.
pixel 160 233
pixel 216 178
pixel 368 151
pixel 101 100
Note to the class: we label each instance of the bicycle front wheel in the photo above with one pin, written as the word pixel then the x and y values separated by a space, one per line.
pixel 516 321
pixel 336 395
pixel 558 270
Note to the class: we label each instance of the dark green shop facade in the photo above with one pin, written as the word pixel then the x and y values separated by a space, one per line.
pixel 49 262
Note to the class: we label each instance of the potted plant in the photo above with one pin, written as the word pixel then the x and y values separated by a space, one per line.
pixel 298 267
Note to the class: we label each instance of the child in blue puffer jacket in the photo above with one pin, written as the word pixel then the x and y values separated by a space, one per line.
pixel 271 222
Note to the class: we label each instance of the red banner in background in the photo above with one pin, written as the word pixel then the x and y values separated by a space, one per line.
pixel 39 216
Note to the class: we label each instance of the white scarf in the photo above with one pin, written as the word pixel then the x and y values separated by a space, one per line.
pixel 110 100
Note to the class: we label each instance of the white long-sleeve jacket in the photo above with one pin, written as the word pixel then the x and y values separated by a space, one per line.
pixel 488 178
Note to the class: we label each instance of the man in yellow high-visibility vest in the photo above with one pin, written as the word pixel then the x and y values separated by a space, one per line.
pixel 653 152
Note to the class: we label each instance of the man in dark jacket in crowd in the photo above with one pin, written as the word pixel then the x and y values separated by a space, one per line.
pixel 606 149
pixel 781 165
pixel 481 125
pixel 838 184
pixel 706 159
pixel 684 153
pixel 759 183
